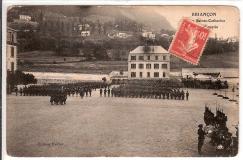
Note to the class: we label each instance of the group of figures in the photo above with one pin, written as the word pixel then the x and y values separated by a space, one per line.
pixel 59 92
pixel 204 84
pixel 58 98
pixel 216 129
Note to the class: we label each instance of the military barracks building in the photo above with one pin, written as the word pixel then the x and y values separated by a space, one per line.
pixel 148 62
pixel 11 50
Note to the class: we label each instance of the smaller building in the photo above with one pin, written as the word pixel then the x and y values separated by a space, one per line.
pixel 11 50
pixel 210 73
pixel 83 27
pixel 64 78
pixel 118 77
pixel 25 17
pixel 122 35
pixel 149 35
pixel 85 33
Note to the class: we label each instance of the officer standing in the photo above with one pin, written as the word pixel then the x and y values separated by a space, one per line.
pixel 187 95
pixel 90 92
pixel 201 137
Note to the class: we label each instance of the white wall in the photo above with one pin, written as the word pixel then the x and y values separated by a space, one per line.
pixel 11 59
pixel 152 61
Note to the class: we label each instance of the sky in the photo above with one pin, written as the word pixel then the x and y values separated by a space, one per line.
pixel 229 28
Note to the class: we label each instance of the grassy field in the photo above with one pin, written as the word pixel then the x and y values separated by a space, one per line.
pixel 37 61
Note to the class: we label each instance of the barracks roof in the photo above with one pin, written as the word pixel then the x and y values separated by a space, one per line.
pixel 149 49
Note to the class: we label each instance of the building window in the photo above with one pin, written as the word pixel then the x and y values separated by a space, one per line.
pixel 164 66
pixel 12 38
pixel 163 74
pixel 9 36
pixel 133 74
pixel 12 66
pixel 156 66
pixel 141 74
pixel 148 57
pixel 12 52
pixel 156 74
pixel 164 58
pixel 148 74
pixel 156 58
pixel 140 66
pixel 148 66
pixel 141 58
pixel 133 66
pixel 133 58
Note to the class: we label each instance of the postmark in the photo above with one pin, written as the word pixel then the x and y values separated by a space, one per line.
pixel 189 41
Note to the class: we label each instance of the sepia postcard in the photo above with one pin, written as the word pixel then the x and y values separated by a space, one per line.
pixel 122 81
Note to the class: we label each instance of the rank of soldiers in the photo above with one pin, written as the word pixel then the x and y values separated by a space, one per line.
pixel 158 89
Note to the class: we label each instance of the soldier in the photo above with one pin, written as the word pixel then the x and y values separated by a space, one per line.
pixel 81 93
pixel 105 92
pixel 112 92
pixel 172 94
pixel 16 90
pixel 187 95
pixel 182 95
pixel 101 92
pixel 163 93
pixel 201 137
pixel 21 91
pixel 86 92
pixel 90 91
pixel 167 94
pixel 109 91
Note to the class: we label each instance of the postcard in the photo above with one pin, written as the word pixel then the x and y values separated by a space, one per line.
pixel 122 81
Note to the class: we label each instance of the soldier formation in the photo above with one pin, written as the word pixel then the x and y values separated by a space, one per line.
pixel 58 98
pixel 165 93
pixel 58 92
pixel 157 89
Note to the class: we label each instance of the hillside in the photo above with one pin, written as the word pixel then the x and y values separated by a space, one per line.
pixel 43 62
pixel 145 15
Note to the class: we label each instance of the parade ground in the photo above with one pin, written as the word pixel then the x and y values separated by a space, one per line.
pixel 111 126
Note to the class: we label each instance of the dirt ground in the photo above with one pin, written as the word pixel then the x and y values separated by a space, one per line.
pixel 99 126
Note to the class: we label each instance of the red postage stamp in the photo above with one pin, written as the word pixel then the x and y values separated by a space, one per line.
pixel 189 41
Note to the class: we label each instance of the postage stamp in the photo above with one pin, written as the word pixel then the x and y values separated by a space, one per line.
pixel 189 41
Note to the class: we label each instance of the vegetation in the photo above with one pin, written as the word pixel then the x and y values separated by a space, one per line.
pixel 17 78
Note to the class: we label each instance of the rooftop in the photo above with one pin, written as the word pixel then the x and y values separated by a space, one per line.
pixel 149 49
